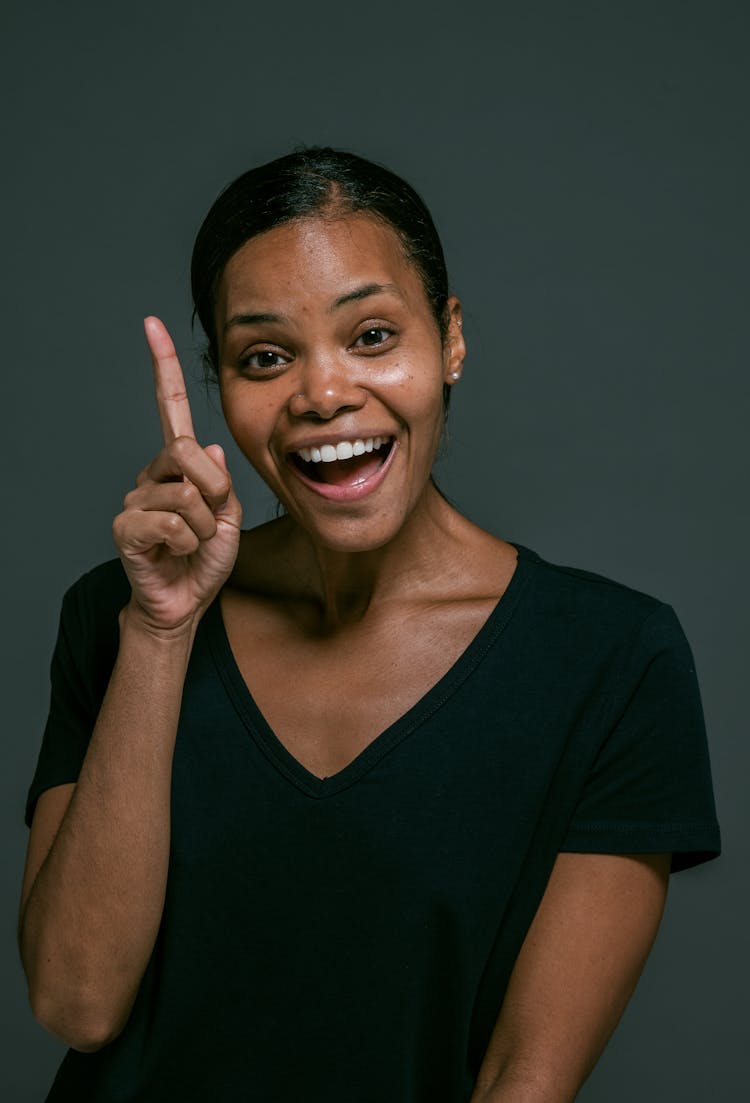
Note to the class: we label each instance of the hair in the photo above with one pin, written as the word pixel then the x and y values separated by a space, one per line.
pixel 308 182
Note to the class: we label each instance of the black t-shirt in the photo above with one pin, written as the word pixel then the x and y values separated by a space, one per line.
pixel 351 938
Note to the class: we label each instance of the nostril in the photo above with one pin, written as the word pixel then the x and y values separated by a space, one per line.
pixel 322 398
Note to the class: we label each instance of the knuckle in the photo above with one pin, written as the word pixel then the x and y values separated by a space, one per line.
pixel 218 491
pixel 223 487
pixel 187 495
pixel 174 523
pixel 180 447
pixel 183 543
pixel 175 393
pixel 123 531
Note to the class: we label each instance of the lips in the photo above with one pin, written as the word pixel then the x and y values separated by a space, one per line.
pixel 347 470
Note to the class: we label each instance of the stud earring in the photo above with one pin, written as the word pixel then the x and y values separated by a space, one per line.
pixel 455 376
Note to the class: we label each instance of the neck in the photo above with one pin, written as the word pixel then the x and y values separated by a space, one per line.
pixel 344 585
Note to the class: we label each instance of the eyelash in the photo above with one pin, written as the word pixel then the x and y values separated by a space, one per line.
pixel 249 360
pixel 246 360
pixel 375 329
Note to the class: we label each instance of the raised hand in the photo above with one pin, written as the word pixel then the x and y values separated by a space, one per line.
pixel 178 533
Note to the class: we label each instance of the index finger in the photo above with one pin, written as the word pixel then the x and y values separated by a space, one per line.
pixel 171 393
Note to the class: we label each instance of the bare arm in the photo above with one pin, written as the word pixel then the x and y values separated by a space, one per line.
pixel 90 914
pixel 96 869
pixel 577 969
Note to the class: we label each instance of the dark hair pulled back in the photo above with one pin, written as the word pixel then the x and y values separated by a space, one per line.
pixel 316 180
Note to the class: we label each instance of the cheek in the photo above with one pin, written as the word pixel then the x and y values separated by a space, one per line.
pixel 248 420
pixel 421 395
pixel 415 382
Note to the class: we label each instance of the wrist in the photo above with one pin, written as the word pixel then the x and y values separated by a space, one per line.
pixel 135 625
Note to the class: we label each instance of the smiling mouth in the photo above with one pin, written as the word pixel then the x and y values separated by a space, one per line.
pixel 347 463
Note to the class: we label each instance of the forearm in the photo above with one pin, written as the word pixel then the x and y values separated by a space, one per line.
pixel 90 920
pixel 518 1087
pixel 577 968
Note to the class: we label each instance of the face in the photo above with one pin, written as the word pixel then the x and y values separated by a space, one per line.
pixel 331 368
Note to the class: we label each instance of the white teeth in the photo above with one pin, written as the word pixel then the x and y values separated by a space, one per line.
pixel 327 453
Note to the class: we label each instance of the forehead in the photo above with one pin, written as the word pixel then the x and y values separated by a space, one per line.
pixel 314 260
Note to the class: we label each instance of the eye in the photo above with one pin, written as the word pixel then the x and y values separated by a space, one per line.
pixel 374 337
pixel 263 360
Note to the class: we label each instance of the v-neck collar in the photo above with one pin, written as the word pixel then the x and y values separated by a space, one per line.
pixel 284 761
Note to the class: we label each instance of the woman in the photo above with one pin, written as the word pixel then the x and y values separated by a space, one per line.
pixel 363 804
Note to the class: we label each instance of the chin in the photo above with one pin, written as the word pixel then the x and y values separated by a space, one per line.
pixel 362 530
pixel 351 537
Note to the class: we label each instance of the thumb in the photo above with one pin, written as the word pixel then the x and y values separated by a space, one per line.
pixel 216 452
pixel 231 510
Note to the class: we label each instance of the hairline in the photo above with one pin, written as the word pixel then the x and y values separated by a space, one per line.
pixel 336 209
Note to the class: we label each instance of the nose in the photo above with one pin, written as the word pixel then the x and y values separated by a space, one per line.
pixel 325 389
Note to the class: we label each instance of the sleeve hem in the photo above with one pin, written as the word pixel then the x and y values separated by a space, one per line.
pixel 690 844
pixel 36 791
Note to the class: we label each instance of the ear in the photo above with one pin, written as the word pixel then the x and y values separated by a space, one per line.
pixel 454 347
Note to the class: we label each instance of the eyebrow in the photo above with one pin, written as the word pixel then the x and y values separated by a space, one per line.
pixel 363 292
pixel 252 319
pixel 355 295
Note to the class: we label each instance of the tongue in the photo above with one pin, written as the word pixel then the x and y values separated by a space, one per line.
pixel 348 472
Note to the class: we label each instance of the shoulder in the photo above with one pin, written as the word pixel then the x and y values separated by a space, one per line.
pixel 584 610
pixel 574 591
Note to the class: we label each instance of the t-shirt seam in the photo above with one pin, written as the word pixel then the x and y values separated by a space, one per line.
pixel 614 695
pixel 645 825
pixel 244 704
pixel 581 574
pixel 462 670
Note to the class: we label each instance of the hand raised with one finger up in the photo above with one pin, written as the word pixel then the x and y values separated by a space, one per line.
pixel 178 533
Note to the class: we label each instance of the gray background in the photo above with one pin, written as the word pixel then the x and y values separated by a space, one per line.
pixel 587 165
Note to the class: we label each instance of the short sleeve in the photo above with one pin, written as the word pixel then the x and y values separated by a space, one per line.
pixel 82 661
pixel 650 789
